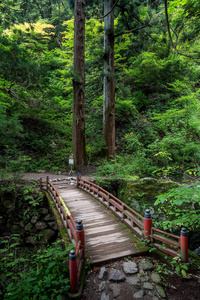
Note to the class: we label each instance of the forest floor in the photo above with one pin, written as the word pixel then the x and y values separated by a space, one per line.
pixel 175 287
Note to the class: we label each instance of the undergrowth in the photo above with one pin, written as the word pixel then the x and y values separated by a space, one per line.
pixel 40 275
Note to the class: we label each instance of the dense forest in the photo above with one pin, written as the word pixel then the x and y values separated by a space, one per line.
pixel 156 86
pixel 155 98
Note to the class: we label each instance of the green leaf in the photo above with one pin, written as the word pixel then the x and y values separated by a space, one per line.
pixel 177 270
pixel 184 274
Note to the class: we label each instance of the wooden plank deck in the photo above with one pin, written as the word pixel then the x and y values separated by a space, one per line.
pixel 105 237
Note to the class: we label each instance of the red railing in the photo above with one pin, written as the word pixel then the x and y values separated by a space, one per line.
pixel 166 242
pixel 126 214
pixel 75 232
pixel 141 226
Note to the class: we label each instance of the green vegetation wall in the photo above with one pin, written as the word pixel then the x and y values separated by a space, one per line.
pixel 157 92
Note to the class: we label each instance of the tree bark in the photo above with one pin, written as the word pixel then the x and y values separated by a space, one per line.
pixel 78 142
pixel 109 85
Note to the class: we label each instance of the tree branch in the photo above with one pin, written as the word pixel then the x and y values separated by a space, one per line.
pixel 129 31
pixel 170 36
pixel 16 96
pixel 132 16
pixel 138 20
pixel 109 11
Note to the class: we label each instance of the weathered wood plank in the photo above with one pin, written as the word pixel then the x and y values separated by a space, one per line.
pixel 105 236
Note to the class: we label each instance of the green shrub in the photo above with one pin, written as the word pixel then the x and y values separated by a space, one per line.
pixel 181 206
pixel 126 166
pixel 43 275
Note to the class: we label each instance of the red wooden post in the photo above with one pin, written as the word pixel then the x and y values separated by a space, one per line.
pixel 122 212
pixel 147 224
pixel 47 179
pixel 184 245
pixel 73 271
pixel 80 235
pixel 77 179
pixel 108 200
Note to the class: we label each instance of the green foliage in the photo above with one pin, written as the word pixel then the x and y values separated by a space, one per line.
pixel 35 272
pixel 152 74
pixel 157 91
pixel 43 275
pixel 31 195
pixel 181 206
pixel 125 166
pixel 133 143
pixel 32 109
pixel 179 129
pixel 175 265
pixel 31 11
pixel 180 268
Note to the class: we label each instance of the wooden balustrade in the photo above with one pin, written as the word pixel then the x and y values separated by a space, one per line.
pixel 75 232
pixel 166 242
pixel 141 226
pixel 126 214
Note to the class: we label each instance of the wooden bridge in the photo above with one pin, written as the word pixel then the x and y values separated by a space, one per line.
pixel 105 236
pixel 95 220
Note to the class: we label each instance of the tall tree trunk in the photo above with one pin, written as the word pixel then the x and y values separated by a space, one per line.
pixel 109 86
pixel 78 142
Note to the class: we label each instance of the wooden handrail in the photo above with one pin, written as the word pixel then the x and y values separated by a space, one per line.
pixel 125 213
pixel 70 225
pixel 166 233
pixel 142 226
pixel 164 241
pixel 112 196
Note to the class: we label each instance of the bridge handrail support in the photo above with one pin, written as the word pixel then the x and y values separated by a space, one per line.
pixel 181 245
pixel 76 268
pixel 143 223
pixel 110 199
pixel 41 184
pixel 76 232
pixel 147 222
pixel 77 179
pixel 80 235
pixel 73 271
pixel 184 245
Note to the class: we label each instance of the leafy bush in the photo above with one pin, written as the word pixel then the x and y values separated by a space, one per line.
pixel 181 206
pixel 43 275
pixel 126 166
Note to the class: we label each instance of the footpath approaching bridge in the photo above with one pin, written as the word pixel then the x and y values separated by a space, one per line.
pixel 97 233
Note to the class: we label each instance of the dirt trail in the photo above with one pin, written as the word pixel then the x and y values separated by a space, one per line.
pixel 37 176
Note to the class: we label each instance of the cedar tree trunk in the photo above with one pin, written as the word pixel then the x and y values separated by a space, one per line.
pixel 78 142
pixel 109 86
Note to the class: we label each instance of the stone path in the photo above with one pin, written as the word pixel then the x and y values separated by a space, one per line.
pixel 124 280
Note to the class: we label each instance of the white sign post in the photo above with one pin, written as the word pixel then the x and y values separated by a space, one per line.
pixel 71 162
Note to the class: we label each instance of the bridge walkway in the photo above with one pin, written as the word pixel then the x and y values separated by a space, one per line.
pixel 106 238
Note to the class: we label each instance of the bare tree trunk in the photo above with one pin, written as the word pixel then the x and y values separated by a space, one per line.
pixel 109 86
pixel 78 143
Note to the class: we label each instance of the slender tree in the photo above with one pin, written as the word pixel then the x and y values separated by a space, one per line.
pixel 78 142
pixel 109 86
